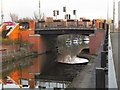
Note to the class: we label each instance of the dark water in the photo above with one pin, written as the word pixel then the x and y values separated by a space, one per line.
pixel 46 70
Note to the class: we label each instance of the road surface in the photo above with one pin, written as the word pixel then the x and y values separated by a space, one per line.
pixel 115 39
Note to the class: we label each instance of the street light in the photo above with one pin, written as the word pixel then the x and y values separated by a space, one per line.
pixel 20 28
pixel 64 10
pixel 113 15
pixel 2 11
pixel 74 13
pixel 39 11
pixel 39 14
pixel 20 65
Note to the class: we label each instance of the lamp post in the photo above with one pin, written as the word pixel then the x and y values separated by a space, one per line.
pixel 113 15
pixel 20 65
pixel 107 11
pixel 1 11
pixel 20 36
pixel 74 13
pixel 39 14
pixel 64 10
pixel 39 11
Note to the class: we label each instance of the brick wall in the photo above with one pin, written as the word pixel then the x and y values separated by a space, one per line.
pixel 14 35
pixel 95 42
pixel 2 28
pixel 32 25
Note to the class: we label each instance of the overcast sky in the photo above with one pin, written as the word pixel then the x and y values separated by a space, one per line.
pixel 85 8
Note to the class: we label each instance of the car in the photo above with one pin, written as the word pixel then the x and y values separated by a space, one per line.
pixel 8 81
pixel 9 25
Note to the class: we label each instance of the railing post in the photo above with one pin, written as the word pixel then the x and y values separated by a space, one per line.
pixel 105 47
pixel 100 78
pixel 103 59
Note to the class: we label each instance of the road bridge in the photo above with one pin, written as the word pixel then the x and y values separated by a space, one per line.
pixel 62 31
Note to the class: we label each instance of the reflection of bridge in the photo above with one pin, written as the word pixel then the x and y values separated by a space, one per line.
pixel 61 31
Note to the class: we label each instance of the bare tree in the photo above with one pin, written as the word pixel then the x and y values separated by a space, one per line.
pixel 43 16
pixel 26 19
pixel 14 17
pixel 36 17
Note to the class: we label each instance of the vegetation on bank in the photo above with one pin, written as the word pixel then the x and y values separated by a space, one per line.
pixel 6 41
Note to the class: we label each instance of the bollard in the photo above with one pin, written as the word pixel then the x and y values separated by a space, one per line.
pixel 105 41
pixel 103 58
pixel 105 47
pixel 106 37
pixel 100 78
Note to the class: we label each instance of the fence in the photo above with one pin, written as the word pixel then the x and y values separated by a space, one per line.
pixel 106 56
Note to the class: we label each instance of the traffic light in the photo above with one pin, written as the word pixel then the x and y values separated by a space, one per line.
pixel 69 16
pixel 74 12
pixel 65 17
pixel 64 9
pixel 57 12
pixel 54 13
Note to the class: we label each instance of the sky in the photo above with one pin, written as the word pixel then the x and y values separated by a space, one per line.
pixel 91 9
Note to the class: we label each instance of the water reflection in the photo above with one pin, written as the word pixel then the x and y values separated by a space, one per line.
pixel 73 60
pixel 77 41
pixel 45 71
pixel 86 42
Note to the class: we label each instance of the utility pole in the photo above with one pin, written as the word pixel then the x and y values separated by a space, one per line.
pixel 107 11
pixel 39 15
pixel 39 11
pixel 113 15
pixel 1 11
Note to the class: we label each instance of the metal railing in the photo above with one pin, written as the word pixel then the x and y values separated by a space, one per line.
pixel 63 24
pixel 106 56
pixel 112 81
pixel 102 70
pixel 1 25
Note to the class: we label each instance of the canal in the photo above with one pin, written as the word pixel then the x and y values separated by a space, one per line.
pixel 56 68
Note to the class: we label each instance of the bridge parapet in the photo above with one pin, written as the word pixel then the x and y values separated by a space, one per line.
pixel 62 31
pixel 66 24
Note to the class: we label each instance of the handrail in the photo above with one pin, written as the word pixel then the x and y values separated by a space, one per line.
pixel 112 82
pixel 2 26
pixel 68 28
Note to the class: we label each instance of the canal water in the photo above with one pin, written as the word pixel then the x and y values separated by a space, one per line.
pixel 54 69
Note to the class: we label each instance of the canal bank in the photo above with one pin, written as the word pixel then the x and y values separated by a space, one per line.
pixel 52 69
pixel 87 77
pixel 83 79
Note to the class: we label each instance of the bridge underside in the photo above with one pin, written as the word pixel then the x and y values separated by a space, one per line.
pixel 63 31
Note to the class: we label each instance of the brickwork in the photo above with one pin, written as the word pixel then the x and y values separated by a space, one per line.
pixel 95 42
pixel 2 28
pixel 14 35
pixel 32 25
